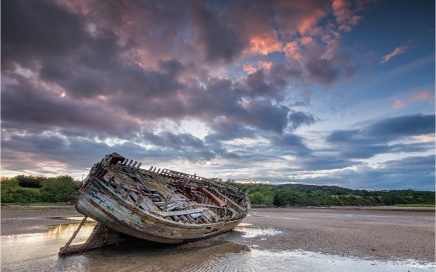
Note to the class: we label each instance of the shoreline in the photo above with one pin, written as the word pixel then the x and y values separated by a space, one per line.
pixel 381 208
pixel 379 233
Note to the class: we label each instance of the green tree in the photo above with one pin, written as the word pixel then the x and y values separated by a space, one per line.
pixel 30 181
pixel 394 197
pixel 8 189
pixel 12 192
pixel 290 198
pixel 59 189
pixel 257 198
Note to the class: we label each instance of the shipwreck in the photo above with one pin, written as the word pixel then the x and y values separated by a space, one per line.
pixel 158 205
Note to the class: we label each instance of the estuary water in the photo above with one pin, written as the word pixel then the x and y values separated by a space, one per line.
pixel 39 252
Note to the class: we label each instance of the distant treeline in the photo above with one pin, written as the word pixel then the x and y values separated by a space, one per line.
pixel 33 189
pixel 63 189
pixel 314 195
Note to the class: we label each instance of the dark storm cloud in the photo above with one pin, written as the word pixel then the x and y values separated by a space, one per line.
pixel 169 139
pixel 135 81
pixel 327 71
pixel 375 138
pixel 94 64
pixel 262 114
pixel 220 42
pixel 290 144
pixel 425 163
pixel 410 125
pixel 85 66
pixel 222 99
pixel 271 83
pixel 33 105
pixel 322 71
pixel 258 85
pixel 38 29
pixel 325 163
pixel 400 174
pixel 363 150
pixel 298 118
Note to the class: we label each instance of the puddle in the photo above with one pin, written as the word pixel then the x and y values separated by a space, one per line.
pixel 251 231
pixel 39 252
pixel 73 218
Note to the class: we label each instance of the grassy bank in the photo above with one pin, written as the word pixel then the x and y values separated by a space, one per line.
pixel 415 205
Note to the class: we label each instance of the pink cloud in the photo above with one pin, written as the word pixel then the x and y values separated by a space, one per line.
pixel 252 68
pixel 424 138
pixel 423 96
pixel 398 104
pixel 309 23
pixel 397 51
pixel 344 15
pixel 293 51
pixel 306 40
pixel 264 44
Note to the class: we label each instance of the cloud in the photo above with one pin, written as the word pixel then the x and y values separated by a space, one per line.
pixel 293 51
pixel 408 125
pixel 397 51
pixel 294 17
pixel 27 37
pixel 402 174
pixel 423 96
pixel 298 118
pixel 32 104
pixel 322 70
pixel 327 71
pixel 415 97
pixel 379 137
pixel 218 41
pixel 264 44
pixel 291 144
pixel 81 79
pixel 398 104
pixel 423 163
pixel 344 14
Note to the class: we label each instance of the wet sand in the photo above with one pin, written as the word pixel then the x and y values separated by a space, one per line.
pixel 28 219
pixel 375 233
pixel 386 234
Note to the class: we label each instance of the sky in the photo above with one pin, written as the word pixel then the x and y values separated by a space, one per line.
pixel 312 92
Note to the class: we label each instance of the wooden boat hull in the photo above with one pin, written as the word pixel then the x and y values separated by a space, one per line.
pixel 111 213
pixel 160 206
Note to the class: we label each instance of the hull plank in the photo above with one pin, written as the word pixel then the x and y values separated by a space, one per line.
pixel 158 205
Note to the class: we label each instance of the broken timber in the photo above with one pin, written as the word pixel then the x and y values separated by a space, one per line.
pixel 100 236
pixel 158 205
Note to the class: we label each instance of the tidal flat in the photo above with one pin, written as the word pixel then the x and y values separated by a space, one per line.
pixel 269 239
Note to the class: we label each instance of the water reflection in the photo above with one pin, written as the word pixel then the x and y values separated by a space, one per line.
pixel 38 252
pixel 250 231
pixel 155 257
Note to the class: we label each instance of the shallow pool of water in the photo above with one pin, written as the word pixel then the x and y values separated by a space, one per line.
pixel 250 231
pixel 39 252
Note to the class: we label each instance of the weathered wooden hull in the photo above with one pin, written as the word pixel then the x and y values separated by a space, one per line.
pixel 128 219
pixel 160 206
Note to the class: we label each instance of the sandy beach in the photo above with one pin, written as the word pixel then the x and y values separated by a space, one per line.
pixel 376 233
